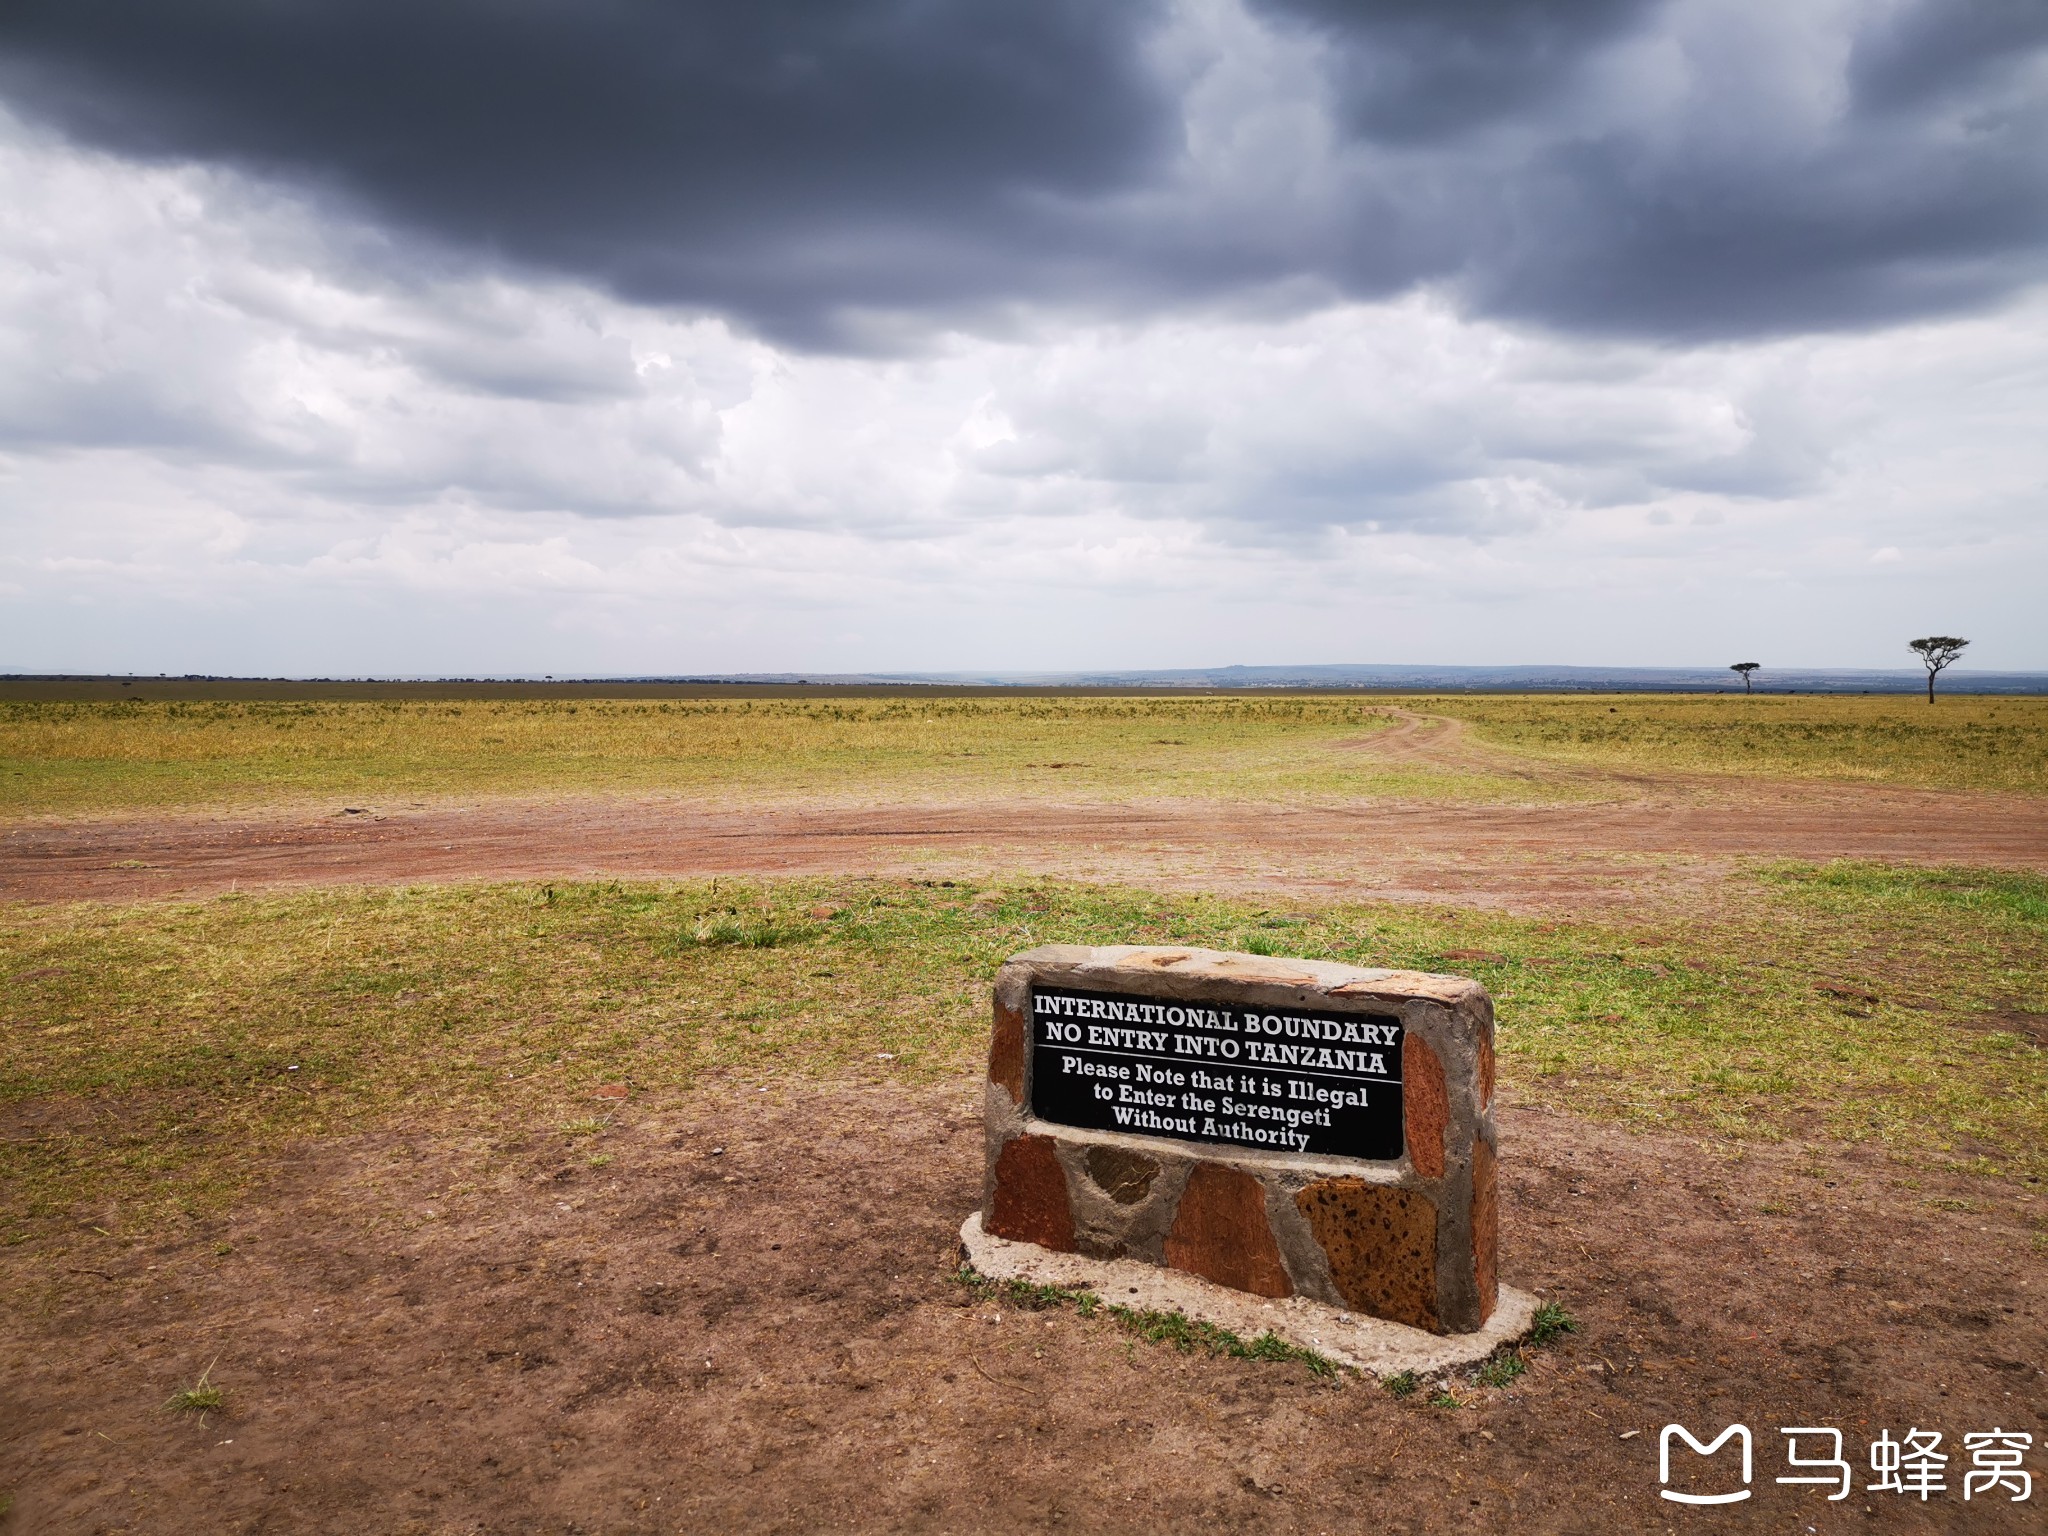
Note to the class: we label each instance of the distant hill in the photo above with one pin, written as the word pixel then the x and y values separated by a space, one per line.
pixel 1532 679
pixel 1402 679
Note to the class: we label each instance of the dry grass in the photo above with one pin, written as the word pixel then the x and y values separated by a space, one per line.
pixel 158 1056
pixel 79 758
pixel 1960 742
pixel 75 757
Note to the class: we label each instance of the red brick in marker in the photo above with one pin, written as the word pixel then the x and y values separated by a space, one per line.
pixel 1030 1204
pixel 1425 1106
pixel 1006 1052
pixel 1220 1233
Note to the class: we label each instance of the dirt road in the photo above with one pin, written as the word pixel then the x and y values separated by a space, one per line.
pixel 1620 837
pixel 1650 846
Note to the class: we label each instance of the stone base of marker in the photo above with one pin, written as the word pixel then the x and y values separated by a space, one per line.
pixel 1246 1187
pixel 1362 1343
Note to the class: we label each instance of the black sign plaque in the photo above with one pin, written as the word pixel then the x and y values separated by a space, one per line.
pixel 1283 1080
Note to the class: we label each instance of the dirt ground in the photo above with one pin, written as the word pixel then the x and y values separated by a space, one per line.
pixel 745 1322
pixel 1634 838
pixel 1658 842
pixel 744 1318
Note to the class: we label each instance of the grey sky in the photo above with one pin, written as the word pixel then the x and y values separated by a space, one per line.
pixel 369 335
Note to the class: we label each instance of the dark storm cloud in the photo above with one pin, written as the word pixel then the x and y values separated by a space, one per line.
pixel 1848 232
pixel 1940 47
pixel 840 174
pixel 1409 70
pixel 1736 206
pixel 783 157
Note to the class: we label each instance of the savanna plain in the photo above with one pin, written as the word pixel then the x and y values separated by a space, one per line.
pixel 487 1108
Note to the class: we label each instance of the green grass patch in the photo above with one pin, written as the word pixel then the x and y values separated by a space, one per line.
pixel 1497 1371
pixel 1188 1335
pixel 732 930
pixel 202 1397
pixel 1173 1328
pixel 1962 741
pixel 156 1056
pixel 1027 1297
pixel 1503 1369
pixel 2006 897
pixel 1550 1323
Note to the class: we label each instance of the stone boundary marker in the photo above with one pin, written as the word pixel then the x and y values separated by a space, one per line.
pixel 1283 1128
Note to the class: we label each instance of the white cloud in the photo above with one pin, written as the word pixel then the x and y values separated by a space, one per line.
pixel 233 437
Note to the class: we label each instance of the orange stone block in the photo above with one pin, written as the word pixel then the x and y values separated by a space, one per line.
pixel 1006 1052
pixel 1485 1229
pixel 1380 1240
pixel 1220 1233
pixel 1425 1106
pixel 1030 1204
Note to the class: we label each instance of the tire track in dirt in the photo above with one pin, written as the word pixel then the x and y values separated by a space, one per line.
pixel 1436 740
pixel 1449 745
pixel 1657 847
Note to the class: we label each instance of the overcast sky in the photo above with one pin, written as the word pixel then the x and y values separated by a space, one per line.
pixel 423 336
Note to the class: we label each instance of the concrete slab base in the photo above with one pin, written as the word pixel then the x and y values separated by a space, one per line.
pixel 1364 1343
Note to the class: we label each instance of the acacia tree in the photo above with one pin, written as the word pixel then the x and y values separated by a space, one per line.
pixel 1936 652
pixel 1745 668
